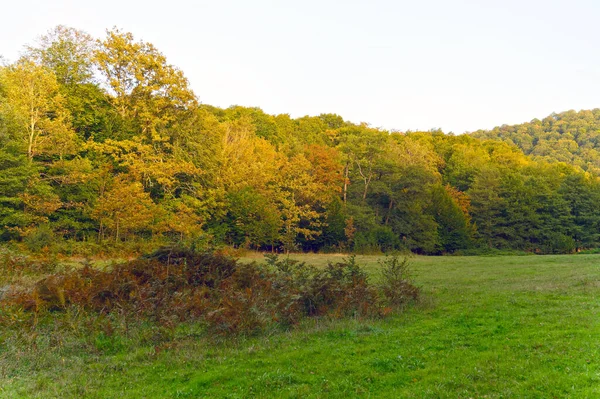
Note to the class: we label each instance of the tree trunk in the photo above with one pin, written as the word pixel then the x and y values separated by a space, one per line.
pixel 101 232
pixel 387 217
pixel 31 134
pixel 346 173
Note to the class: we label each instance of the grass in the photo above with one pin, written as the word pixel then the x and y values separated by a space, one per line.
pixel 487 327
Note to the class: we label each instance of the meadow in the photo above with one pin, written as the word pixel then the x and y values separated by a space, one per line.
pixel 485 327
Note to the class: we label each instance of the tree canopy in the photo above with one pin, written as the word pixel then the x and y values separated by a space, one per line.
pixel 103 141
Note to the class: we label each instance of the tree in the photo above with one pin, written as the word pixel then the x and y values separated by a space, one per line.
pixel 35 110
pixel 454 231
pixel 124 208
pixel 410 219
pixel 265 126
pixel 582 194
pixel 147 91
pixel 183 219
pixel 362 148
pixel 75 181
pixel 301 200
pixel 487 205
pixel 15 174
pixel 252 219
pixel 68 53
pixel 569 136
pixel 154 166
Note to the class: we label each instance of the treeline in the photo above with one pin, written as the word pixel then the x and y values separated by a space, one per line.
pixel 103 144
pixel 571 137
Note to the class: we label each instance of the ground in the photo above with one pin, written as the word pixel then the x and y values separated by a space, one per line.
pixel 486 327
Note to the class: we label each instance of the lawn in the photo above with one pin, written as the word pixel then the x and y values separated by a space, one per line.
pixel 486 327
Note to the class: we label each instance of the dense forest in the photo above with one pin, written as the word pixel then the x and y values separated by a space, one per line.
pixel 571 137
pixel 104 145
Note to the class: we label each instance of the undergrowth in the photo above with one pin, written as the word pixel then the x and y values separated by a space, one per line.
pixel 174 287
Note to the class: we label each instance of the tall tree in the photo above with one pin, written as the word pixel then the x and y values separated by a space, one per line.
pixel 487 205
pixel 147 91
pixel 69 53
pixel 15 174
pixel 35 110
pixel 125 208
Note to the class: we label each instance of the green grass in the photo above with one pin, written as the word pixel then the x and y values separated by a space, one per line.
pixel 487 327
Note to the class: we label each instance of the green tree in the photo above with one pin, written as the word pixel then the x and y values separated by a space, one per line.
pixel 15 174
pixel 454 231
pixel 252 220
pixel 487 205
pixel 582 193
pixel 68 53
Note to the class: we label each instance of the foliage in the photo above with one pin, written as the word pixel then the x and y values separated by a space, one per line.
pixel 570 137
pixel 34 110
pixel 396 280
pixel 103 142
pixel 174 285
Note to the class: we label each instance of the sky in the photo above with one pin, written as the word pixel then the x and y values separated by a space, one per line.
pixel 456 65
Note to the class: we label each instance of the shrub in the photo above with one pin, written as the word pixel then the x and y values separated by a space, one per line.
pixel 40 238
pixel 341 289
pixel 173 285
pixel 396 281
pixel 558 243
pixel 14 266
pixel 377 240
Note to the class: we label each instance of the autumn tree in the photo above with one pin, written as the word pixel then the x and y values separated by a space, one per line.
pixel 35 110
pixel 147 91
pixel 69 54
pixel 124 208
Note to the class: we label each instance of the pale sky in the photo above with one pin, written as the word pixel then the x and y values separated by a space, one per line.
pixel 458 65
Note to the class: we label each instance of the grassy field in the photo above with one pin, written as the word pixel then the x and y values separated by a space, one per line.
pixel 486 327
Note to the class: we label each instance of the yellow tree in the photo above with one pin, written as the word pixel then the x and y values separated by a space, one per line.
pixel 362 148
pixel 39 202
pixel 145 163
pixel 302 196
pixel 182 219
pixel 147 90
pixel 247 160
pixel 35 110
pixel 123 208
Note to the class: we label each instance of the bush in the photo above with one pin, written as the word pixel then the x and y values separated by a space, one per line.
pixel 377 240
pixel 173 285
pixel 40 238
pixel 396 281
pixel 558 243
pixel 14 266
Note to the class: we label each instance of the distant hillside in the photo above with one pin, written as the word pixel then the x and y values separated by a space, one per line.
pixel 572 137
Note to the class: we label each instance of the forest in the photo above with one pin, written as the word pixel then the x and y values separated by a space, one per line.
pixel 104 146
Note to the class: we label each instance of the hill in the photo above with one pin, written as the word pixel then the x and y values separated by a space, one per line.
pixel 571 137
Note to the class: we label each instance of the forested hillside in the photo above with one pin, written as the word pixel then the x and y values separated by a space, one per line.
pixel 103 144
pixel 572 137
